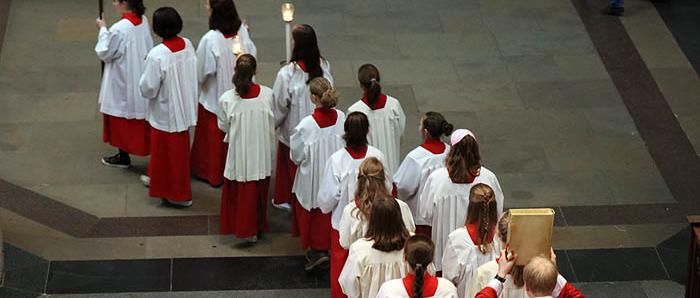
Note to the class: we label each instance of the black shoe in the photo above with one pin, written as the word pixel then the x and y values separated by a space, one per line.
pixel 316 259
pixel 118 160
pixel 617 11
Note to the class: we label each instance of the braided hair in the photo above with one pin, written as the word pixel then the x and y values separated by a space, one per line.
pixel 483 211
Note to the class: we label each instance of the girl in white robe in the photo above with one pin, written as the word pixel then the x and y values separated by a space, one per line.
pixel 215 63
pixel 371 185
pixel 170 84
pixel 386 117
pixel 122 48
pixel 411 176
pixel 472 245
pixel 292 103
pixel 378 257
pixel 338 184
pixel 247 120
pixel 445 196
pixel 313 142
pixel 418 254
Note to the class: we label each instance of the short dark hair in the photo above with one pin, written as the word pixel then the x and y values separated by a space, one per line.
pixel 224 16
pixel 356 130
pixel 167 23
pixel 135 6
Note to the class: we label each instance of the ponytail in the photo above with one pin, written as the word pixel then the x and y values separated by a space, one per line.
pixel 322 88
pixel 368 75
pixel 418 281
pixel 419 252
pixel 244 72
pixel 436 125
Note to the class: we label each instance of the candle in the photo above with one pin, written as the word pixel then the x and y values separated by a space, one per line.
pixel 237 48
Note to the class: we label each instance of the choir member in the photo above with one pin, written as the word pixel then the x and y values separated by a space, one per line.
pixel 338 184
pixel 371 185
pixel 420 163
pixel 445 196
pixel 378 257
pixel 472 245
pixel 540 278
pixel 313 142
pixel 215 63
pixel 291 104
pixel 170 84
pixel 122 48
pixel 418 254
pixel 247 120
pixel 386 117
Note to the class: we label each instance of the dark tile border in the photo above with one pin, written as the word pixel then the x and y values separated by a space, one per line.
pixel 4 15
pixel 681 18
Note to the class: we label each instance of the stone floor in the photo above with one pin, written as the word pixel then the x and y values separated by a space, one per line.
pixel 530 78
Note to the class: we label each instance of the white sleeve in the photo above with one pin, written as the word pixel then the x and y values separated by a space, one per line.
pixel 452 267
pixel 327 72
pixel 223 121
pixel 426 201
pixel 407 217
pixel 407 179
pixel 206 61
pixel 350 276
pixel 151 78
pixel 109 45
pixel 500 199
pixel 297 149
pixel 345 231
pixel 329 188
pixel 477 283
pixel 402 118
pixel 281 97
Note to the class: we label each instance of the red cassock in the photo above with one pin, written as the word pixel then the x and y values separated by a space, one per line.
pixel 208 157
pixel 312 227
pixel 169 168
pixel 285 170
pixel 130 135
pixel 244 207
pixel 338 257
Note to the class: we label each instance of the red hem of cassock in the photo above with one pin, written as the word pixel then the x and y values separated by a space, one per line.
pixel 244 207
pixel 312 227
pixel 426 231
pixel 285 170
pixel 208 157
pixel 130 135
pixel 338 257
pixel 169 167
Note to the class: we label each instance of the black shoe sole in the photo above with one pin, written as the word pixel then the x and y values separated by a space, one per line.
pixel 113 165
pixel 317 263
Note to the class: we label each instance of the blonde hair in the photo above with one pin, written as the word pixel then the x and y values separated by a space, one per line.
pixel 371 184
pixel 328 97
pixel 516 274
pixel 483 211
pixel 540 275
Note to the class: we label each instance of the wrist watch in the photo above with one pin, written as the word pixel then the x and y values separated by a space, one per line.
pixel 498 278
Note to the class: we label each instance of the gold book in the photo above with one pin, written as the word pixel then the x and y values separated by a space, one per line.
pixel 530 233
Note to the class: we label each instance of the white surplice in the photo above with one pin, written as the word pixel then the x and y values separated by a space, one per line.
pixel 411 176
pixel 123 48
pixel 462 258
pixel 386 128
pixel 366 269
pixel 292 98
pixel 310 148
pixel 249 125
pixel 353 226
pixel 486 272
pixel 215 63
pixel 444 204
pixel 170 84
pixel 339 182
pixel 395 288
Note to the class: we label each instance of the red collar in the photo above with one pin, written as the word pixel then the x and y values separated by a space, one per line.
pixel 253 92
pixel 325 117
pixel 381 101
pixel 430 285
pixel 132 17
pixel 357 153
pixel 435 146
pixel 302 65
pixel 230 35
pixel 175 44
pixel 473 230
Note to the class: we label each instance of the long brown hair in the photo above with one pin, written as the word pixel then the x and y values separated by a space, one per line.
pixel 386 226
pixel 244 72
pixel 419 252
pixel 483 212
pixel 371 184
pixel 306 50
pixel 368 75
pixel 463 161
pixel 516 274
pixel 356 129
pixel 224 16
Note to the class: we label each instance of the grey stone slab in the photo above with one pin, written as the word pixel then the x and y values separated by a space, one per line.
pixel 106 200
pixel 611 121
pixel 533 125
pixel 440 45
pixel 271 50
pixel 73 78
pixel 581 67
pixel 14 137
pixel 543 42
pixel 638 187
pixel 629 289
pixel 344 74
pixel 326 24
pixel 467 97
pixel 555 188
pixel 385 24
pixel 16 79
pixel 615 153
pixel 413 71
pixel 265 26
pixel 514 157
pixel 533 68
pixel 663 289
pixel 569 94
pixel 482 70
pixel 347 47
pixel 462 21
pixel 402 6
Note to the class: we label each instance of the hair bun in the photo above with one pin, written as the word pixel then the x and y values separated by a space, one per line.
pixel 447 127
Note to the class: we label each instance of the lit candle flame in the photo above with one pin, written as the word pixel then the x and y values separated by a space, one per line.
pixel 237 48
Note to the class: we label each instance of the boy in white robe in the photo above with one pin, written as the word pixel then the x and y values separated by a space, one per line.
pixel 246 118
pixel 338 184
pixel 122 48
pixel 386 117
pixel 314 140
pixel 215 63
pixel 411 176
pixel 170 84
pixel 445 196
pixel 292 103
